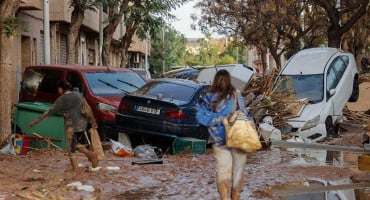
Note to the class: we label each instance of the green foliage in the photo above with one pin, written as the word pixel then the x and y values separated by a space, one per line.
pixel 226 59
pixel 145 16
pixel 10 25
pixel 168 45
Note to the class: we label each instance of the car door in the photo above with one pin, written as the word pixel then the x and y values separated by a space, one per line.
pixel 339 80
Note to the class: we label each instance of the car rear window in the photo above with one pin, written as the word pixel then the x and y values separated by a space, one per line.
pixel 113 82
pixel 168 90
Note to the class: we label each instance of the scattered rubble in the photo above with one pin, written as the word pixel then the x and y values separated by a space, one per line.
pixel 262 102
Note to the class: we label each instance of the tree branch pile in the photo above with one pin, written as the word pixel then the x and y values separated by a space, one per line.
pixel 356 117
pixel 262 102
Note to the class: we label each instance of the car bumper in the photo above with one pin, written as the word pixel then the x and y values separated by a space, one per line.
pixel 315 133
pixel 143 126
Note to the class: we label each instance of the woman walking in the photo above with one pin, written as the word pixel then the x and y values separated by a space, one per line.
pixel 230 163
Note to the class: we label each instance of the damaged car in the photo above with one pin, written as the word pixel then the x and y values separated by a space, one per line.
pixel 318 82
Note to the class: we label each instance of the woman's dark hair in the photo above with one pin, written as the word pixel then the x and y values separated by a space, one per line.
pixel 64 84
pixel 222 85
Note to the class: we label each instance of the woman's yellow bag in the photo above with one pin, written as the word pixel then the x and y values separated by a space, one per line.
pixel 241 133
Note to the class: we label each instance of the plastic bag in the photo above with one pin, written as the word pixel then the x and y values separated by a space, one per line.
pixel 120 149
pixel 8 149
pixel 145 151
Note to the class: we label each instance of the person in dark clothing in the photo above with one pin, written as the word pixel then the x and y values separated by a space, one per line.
pixel 71 105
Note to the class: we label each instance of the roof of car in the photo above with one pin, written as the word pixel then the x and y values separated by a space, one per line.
pixel 83 68
pixel 180 81
pixel 310 61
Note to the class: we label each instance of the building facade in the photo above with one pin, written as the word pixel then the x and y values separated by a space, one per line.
pixel 29 42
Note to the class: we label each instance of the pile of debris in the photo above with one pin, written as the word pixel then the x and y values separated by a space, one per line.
pixel 356 117
pixel 262 102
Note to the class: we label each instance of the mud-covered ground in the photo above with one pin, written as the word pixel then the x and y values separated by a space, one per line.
pixel 46 174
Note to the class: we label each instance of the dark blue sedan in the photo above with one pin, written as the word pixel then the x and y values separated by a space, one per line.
pixel 163 107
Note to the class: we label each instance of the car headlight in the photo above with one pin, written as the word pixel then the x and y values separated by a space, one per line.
pixel 106 108
pixel 311 123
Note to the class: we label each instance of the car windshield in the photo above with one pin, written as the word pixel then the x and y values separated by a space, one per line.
pixel 301 87
pixel 168 90
pixel 113 83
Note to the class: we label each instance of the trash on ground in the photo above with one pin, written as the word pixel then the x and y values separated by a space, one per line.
pixel 146 162
pixel 78 185
pixel 145 151
pixel 121 149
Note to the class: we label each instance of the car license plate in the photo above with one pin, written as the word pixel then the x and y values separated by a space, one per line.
pixel 148 110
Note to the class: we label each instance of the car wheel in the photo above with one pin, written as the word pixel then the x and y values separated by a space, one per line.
pixel 330 129
pixel 355 91
pixel 336 128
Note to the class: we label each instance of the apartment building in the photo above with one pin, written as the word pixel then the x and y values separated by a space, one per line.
pixel 29 42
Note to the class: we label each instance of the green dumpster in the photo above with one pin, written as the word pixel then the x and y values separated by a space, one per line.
pixel 51 127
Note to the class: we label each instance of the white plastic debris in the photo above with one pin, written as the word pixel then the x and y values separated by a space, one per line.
pixel 78 185
pixel 87 188
pixel 8 149
pixel 145 151
pixel 269 132
pixel 121 149
pixel 94 169
pixel 113 168
pixel 74 184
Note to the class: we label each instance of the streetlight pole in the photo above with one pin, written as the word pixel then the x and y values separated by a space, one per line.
pixel 163 70
pixel 46 32
pixel 100 35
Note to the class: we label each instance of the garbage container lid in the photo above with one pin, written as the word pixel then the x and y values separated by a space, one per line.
pixel 36 106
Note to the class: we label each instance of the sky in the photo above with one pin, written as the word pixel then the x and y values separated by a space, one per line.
pixel 184 21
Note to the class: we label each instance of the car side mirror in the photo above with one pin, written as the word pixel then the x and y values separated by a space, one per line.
pixel 332 92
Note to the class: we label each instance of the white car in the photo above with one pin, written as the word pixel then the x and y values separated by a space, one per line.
pixel 240 74
pixel 327 78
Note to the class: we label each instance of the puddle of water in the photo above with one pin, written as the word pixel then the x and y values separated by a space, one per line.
pixel 351 160
pixel 342 189
pixel 321 189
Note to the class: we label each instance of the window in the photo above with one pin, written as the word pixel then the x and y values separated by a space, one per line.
pixel 168 90
pixel 74 79
pixel 301 87
pixel 335 72
pixel 113 83
pixel 43 80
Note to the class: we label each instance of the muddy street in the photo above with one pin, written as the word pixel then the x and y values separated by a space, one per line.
pixel 273 173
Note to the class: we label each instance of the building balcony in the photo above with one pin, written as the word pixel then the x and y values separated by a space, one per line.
pixel 31 5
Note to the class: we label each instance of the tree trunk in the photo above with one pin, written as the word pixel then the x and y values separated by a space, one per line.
pixel 8 8
pixel 125 45
pixel 109 31
pixel 106 49
pixel 334 38
pixel 77 17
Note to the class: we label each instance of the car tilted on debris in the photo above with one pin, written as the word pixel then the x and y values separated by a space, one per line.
pixel 317 82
